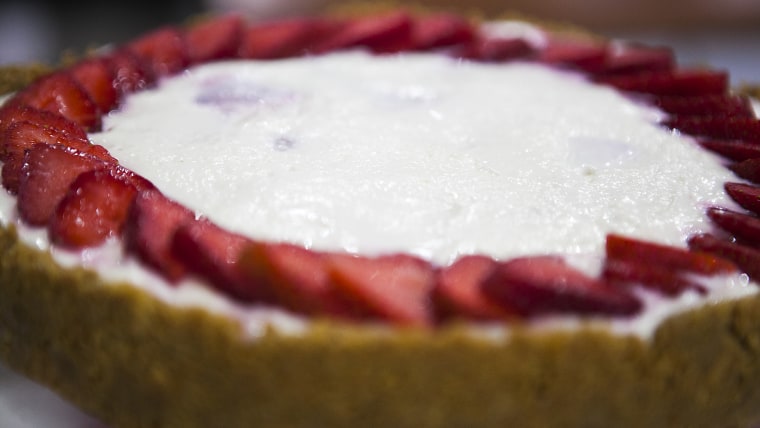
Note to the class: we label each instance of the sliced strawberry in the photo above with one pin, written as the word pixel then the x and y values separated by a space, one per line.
pixel 394 287
pixel 546 284
pixel 630 58
pixel 131 73
pixel 746 258
pixel 21 136
pixel 213 253
pixel 441 30
pixel 734 150
pixel 664 256
pixel 215 38
pixel 96 76
pixel 151 222
pixel 280 39
pixel 60 93
pixel 748 169
pixel 744 227
pixel 94 209
pixel 295 277
pixel 745 195
pixel 17 112
pixel 457 293
pixel 722 128
pixel 163 50
pixel 707 105
pixel 47 174
pixel 671 83
pixel 495 49
pixel 584 54
pixel 381 34
pixel 651 276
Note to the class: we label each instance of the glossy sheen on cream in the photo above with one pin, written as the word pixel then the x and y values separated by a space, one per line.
pixel 415 153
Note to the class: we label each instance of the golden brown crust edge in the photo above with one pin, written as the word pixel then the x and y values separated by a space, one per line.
pixel 136 362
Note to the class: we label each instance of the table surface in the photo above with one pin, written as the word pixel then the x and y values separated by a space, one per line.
pixel 25 404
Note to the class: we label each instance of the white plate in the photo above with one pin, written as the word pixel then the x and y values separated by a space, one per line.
pixel 25 404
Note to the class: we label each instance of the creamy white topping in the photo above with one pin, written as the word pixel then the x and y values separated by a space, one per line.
pixel 414 153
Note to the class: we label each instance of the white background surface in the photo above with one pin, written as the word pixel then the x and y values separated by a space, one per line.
pixel 24 404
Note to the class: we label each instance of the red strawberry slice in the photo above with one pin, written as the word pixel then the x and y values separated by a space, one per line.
pixel 394 287
pixel 151 222
pixel 163 50
pixel 655 277
pixel 293 276
pixel 546 284
pixel 623 248
pixel 707 105
pixel 47 174
pixel 94 209
pixel 745 195
pixel 671 83
pixel 734 150
pixel 495 49
pixel 583 54
pixel 744 227
pixel 96 76
pixel 280 39
pixel 214 39
pixel 131 73
pixel 746 258
pixel 629 58
pixel 17 112
pixel 722 128
pixel 21 136
pixel 457 293
pixel 380 34
pixel 212 253
pixel 748 169
pixel 60 93
pixel 441 30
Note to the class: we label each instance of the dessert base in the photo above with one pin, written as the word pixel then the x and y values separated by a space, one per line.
pixel 133 361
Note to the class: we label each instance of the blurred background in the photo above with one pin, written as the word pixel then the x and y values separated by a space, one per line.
pixel 723 33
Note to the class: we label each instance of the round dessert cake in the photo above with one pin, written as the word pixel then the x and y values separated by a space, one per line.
pixel 394 220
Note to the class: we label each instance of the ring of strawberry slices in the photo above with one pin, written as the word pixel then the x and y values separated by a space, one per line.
pixel 81 194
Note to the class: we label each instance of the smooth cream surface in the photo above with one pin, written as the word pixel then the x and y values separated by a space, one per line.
pixel 415 153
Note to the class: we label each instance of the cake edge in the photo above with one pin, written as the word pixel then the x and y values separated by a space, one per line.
pixel 100 349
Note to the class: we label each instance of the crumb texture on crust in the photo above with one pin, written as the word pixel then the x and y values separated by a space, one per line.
pixel 13 78
pixel 133 361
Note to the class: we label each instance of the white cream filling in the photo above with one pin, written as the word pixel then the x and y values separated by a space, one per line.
pixel 414 153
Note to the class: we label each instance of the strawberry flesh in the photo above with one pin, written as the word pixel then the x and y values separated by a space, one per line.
pixel 651 276
pixel 60 93
pixel 706 105
pixel 747 259
pixel 213 253
pixel 21 136
pixel 583 54
pixel 667 257
pixel 671 83
pixel 163 50
pixel 214 39
pixel 131 74
pixel 744 227
pixel 745 195
pixel 47 174
pixel 280 39
pixel 441 30
pixel 627 58
pixel 96 76
pixel 722 128
pixel 747 169
pixel 546 284
pixel 395 288
pixel 495 49
pixel 94 209
pixel 458 294
pixel 381 34
pixel 733 150
pixel 151 222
